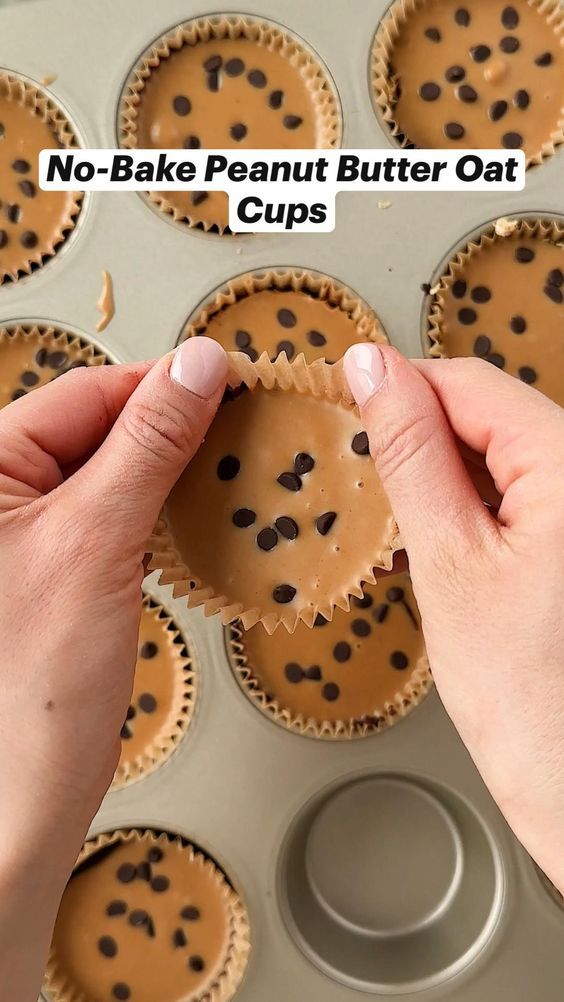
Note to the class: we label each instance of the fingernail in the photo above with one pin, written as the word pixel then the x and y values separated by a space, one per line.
pixel 365 371
pixel 200 365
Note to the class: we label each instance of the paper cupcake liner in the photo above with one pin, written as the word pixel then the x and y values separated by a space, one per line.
pixel 53 337
pixel 181 714
pixel 407 698
pixel 384 83
pixel 223 989
pixel 296 280
pixel 502 230
pixel 233 26
pixel 322 381
pixel 15 88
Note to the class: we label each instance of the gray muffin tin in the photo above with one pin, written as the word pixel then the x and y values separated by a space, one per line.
pixel 377 865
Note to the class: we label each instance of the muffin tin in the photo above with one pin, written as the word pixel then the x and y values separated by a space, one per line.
pixel 373 866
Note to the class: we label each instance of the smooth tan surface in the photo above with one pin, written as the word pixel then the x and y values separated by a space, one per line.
pixel 517 290
pixel 152 967
pixel 265 430
pixel 366 680
pixel 213 114
pixel 418 60
pixel 30 361
pixel 45 213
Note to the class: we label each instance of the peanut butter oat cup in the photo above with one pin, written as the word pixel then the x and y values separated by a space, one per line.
pixel 225 82
pixel 33 223
pixel 501 298
pixel 163 698
pixel 147 916
pixel 480 74
pixel 349 678
pixel 286 310
pixel 281 515
pixel 32 355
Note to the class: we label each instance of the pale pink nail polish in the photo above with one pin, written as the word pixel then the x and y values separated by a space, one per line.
pixel 200 365
pixel 365 371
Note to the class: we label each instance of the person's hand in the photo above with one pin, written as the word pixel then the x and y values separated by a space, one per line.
pixel 490 588
pixel 85 465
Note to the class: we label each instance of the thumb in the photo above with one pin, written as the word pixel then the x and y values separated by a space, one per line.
pixel 414 448
pixel 156 434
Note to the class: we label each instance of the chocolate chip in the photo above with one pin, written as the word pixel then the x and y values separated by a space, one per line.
pixel 107 946
pixel 267 539
pixel 144 871
pixel 331 692
pixel 480 53
pixel 286 318
pixel 234 67
pixel 238 131
pixel 481 294
pixel 454 130
pixel 275 99
pixel 14 213
pixel 524 255
pixel 131 712
pixel 196 963
pixel 544 60
pixel 121 991
pixel 228 467
pixel 518 325
pixel 213 63
pixel 320 620
pixel 509 18
pixel 554 293
pixel 126 873
pixel 160 883
pixel 292 122
pixel 324 522
pixel 361 627
pixel 192 143
pixel 287 527
pixel 179 938
pixel 257 78
pixel 243 518
pixel 125 733
pixel 399 660
pixel 21 166
pixel 147 702
pixel 459 289
pixel 29 378
pixel 556 277
pixel 313 674
pixel 430 92
pixel 363 603
pixel 3 238
pixel 467 94
pixel 303 463
pixel 482 346
pixel 290 481
pixel 467 316
pixel 287 348
pixel 316 338
pixel 182 105
pixel 197 197
pixel 250 353
pixel 242 339
pixel 57 359
pixel 190 913
pixel 527 375
pixel 212 82
pixel 138 917
pixel 462 17
pixel 395 594
pixel 293 672
pixel 522 99
pixel 433 34
pixel 380 613
pixel 283 594
pixel 360 444
pixel 497 360
pixel 148 650
pixel 455 74
pixel 27 188
pixel 29 239
pixel 512 140
pixel 510 44
pixel 497 110
pixel 342 651
pixel 116 908
pixel 155 854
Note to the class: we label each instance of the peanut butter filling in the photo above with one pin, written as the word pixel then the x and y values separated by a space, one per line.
pixel 479 74
pixel 31 357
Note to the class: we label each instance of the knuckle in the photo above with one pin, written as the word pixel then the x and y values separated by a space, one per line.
pixel 401 445
pixel 159 428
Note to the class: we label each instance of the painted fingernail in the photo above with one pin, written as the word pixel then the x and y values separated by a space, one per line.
pixel 200 365
pixel 364 371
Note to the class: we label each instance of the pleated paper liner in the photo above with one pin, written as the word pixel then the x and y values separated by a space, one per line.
pixel 222 982
pixel 317 381
pixel 385 82
pixel 264 34
pixel 57 349
pixel 30 96
pixel 315 285
pixel 159 748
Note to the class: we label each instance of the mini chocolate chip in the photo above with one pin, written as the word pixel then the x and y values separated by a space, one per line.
pixel 512 140
pixel 147 702
pixel 196 963
pixel 430 92
pixel 155 854
pixel 27 188
pixel 380 613
pixel 3 238
pixel 131 712
pixel 182 105
pixel 125 732
pixel 293 672
pixel 331 692
pixel 361 627
pixel 399 660
pixel 524 255
pixel 455 74
pixel 212 82
pixel 30 378
pixel 250 353
pixel 213 63
pixel 228 467
pixel 316 338
pixel 234 67
pixel 57 359
pixel 510 44
pixel 14 213
pixel 320 620
pixel 544 60
pixel 522 99
pixel 497 110
pixel 197 197
pixel 342 651
pixel 482 346
pixel 121 991
pixel 480 53
pixel 363 603
pixel 287 527
pixel 467 316
pixel 160 883
pixel 243 518
pixel 360 444
pixel 324 522
pixel 179 938
pixel 286 318
pixel 518 325
pixel 257 78
pixel 459 289
pixel 303 463
pixel 107 946
pixel 238 131
pixel 29 239
pixel 313 673
pixel 395 594
pixel 292 122
pixel 527 375
pixel 21 166
pixel 283 594
pixel 267 539
pixel 148 650
pixel 190 913
pixel 462 17
pixel 454 130
pixel 138 917
pixel 509 18
pixel 242 339
pixel 554 293
pixel 290 481
pixel 497 360
pixel 481 294
pixel 192 143
pixel 467 94
pixel 144 871
pixel 433 34
pixel 116 908
pixel 275 99
pixel 556 277
pixel 126 873
pixel 287 348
